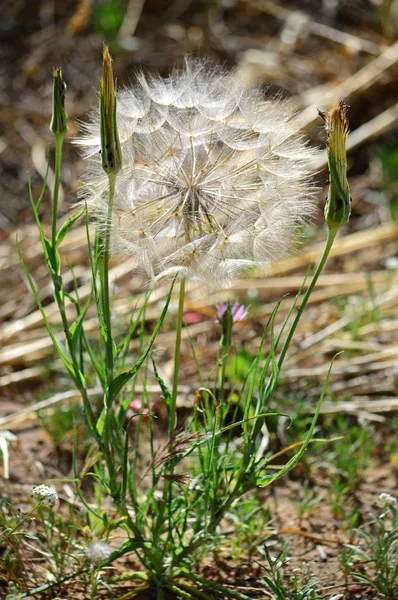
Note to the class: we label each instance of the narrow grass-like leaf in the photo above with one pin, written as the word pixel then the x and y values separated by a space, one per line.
pixel 120 381
pixel 267 480
pixel 208 584
pixel 76 329
pixel 53 261
pixel 195 358
pixel 75 376
pixel 94 269
pixel 252 376
pixel 67 226
pixel 265 368
pixel 51 256
pixel 99 369
pixel 165 391
pixel 125 462
pixel 78 476
pixel 44 186
pixel 123 347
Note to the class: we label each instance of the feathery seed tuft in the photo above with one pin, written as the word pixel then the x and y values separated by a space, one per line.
pixel 215 180
pixel 98 552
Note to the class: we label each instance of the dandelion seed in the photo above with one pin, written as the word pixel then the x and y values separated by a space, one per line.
pixel 214 180
pixel 45 495
pixel 98 552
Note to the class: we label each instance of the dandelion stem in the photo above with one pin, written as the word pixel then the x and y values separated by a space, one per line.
pixel 167 489
pixel 225 349
pixel 59 293
pixel 274 378
pixel 177 350
pixel 106 310
pixel 329 243
pixel 59 139
pixel 105 296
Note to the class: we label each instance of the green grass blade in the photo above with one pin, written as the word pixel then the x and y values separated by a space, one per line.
pixel 267 480
pixel 67 226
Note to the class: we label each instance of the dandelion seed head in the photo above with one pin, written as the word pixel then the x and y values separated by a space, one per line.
pixel 97 552
pixel 215 180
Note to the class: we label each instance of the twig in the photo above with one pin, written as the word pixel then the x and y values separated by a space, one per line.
pixel 25 413
pixel 130 21
pixel 319 29
pixel 362 79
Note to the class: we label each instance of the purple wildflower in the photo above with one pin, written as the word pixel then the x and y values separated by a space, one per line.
pixel 238 312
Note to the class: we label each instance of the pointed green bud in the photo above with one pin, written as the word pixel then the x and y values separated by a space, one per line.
pixel 338 204
pixel 59 121
pixel 110 146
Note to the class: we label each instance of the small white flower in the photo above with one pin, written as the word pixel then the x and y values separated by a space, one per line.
pixel 45 494
pixel 97 552
pixel 387 500
pixel 215 179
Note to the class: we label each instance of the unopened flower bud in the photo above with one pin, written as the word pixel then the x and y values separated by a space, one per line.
pixel 338 204
pixel 59 121
pixel 110 146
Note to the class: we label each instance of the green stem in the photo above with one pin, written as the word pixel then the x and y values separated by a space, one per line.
pixel 134 592
pixel 56 582
pixel 329 243
pixel 58 286
pixel 225 349
pixel 60 299
pixel 160 592
pixel 179 587
pixel 59 138
pixel 218 588
pixel 109 362
pixel 167 489
pixel 273 379
pixel 93 581
pixel 180 591
pixel 105 295
pixel 177 350
pixel 18 525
